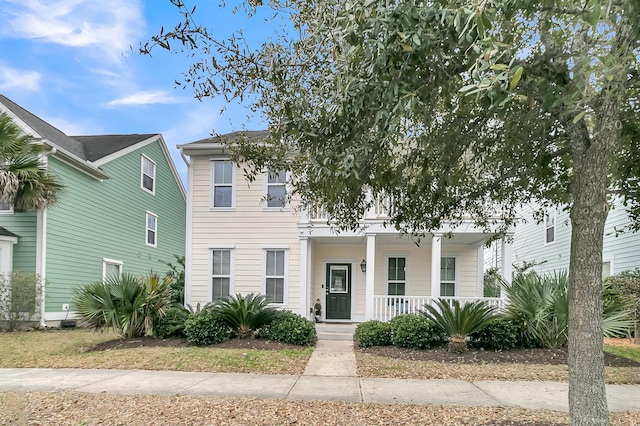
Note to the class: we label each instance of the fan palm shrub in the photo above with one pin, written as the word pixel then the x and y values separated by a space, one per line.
pixel 245 314
pixel 24 181
pixel 459 321
pixel 129 305
pixel 540 305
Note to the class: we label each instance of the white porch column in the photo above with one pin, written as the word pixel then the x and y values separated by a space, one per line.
pixel 506 267
pixel 304 277
pixel 370 276
pixel 436 254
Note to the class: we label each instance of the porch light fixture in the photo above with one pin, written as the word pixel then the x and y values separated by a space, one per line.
pixel 363 265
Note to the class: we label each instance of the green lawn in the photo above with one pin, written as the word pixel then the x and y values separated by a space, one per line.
pixel 630 352
pixel 73 349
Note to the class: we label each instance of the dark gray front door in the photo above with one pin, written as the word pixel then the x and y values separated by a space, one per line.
pixel 338 291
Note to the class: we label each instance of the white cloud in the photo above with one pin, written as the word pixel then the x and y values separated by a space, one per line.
pixel 145 98
pixel 13 78
pixel 110 26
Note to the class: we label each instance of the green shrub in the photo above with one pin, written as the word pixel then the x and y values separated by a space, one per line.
pixel 206 328
pixel 373 333
pixel 459 321
pixel 500 335
pixel 20 297
pixel 172 323
pixel 129 305
pixel 415 331
pixel 540 306
pixel 288 327
pixel 245 314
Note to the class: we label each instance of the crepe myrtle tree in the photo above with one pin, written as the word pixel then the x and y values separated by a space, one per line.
pixel 453 109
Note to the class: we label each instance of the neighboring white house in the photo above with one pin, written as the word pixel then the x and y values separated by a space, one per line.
pixel 547 243
pixel 240 240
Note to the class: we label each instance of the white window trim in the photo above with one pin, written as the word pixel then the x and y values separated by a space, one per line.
pixel 232 261
pixel 8 211
pixel 106 261
pixel 265 191
pixel 555 226
pixel 147 229
pixel 455 282
pixel 285 290
pixel 212 185
pixel 610 260
pixel 142 158
pixel 406 269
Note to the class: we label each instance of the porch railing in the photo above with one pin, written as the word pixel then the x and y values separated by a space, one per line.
pixel 387 307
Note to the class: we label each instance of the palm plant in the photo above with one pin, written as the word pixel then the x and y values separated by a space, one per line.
pixel 459 321
pixel 245 314
pixel 129 305
pixel 24 180
pixel 541 305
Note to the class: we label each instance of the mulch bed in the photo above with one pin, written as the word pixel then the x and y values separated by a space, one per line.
pixel 150 342
pixel 514 356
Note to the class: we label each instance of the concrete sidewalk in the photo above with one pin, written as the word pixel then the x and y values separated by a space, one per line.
pixel 532 395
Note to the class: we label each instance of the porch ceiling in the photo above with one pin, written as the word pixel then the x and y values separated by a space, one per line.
pixel 472 239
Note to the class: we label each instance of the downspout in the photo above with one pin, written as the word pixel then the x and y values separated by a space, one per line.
pixel 41 246
pixel 189 231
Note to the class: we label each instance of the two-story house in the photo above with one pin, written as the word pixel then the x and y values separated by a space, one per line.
pixel 546 243
pixel 243 237
pixel 122 209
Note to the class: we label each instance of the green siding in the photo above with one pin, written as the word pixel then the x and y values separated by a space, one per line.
pixel 24 225
pixel 96 220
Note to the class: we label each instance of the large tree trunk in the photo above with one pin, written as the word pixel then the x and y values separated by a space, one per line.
pixel 587 395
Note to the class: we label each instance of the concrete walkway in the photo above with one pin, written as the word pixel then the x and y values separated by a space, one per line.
pixel 330 375
pixel 532 395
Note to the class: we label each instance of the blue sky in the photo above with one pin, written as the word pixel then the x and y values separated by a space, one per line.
pixel 70 63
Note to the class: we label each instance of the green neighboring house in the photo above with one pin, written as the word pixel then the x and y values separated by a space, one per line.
pixel 122 209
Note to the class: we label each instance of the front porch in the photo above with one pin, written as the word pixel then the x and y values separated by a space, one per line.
pixel 377 273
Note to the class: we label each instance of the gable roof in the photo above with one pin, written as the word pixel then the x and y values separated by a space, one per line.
pixel 44 129
pixel 87 153
pixel 249 134
pixel 215 145
pixel 99 146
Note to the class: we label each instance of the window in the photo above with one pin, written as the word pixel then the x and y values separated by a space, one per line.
pixel 396 276
pixel 111 268
pixel 276 188
pixel 550 226
pixel 6 207
pixel 275 275
pixel 448 276
pixel 148 179
pixel 220 274
pixel 606 269
pixel 222 184
pixel 152 229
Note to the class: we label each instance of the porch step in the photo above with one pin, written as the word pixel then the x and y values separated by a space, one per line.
pixel 335 331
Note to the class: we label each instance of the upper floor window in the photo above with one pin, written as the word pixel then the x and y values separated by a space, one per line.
pixel 396 276
pixel 148 175
pixel 223 184
pixel 448 276
pixel 275 275
pixel 152 229
pixel 550 226
pixel 220 273
pixel 276 188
